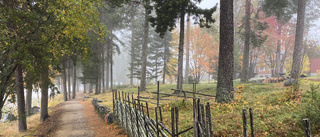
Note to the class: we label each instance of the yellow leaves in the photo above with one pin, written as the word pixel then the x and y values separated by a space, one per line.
pixel 63 12
pixel 245 102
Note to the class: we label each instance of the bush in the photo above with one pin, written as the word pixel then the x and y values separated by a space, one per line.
pixel 311 109
pixel 181 104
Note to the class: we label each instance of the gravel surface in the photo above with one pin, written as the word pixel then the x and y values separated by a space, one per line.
pixel 73 122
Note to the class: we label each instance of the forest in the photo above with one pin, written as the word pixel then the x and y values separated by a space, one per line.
pixel 261 55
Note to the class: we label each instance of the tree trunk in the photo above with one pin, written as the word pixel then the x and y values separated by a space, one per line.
pixel 111 64
pixel 90 88
pixel 69 79
pixel 226 59
pixel 296 62
pixel 44 94
pixel 144 50
pixel 108 63
pixel 84 88
pixel 209 77
pixel 246 49
pixel 132 44
pixel 278 52
pixel 65 96
pixel 180 55
pixel 97 86
pixel 187 50
pixel 102 63
pixel 29 98
pixel 164 64
pixel 20 99
pixel 305 46
pixel 74 81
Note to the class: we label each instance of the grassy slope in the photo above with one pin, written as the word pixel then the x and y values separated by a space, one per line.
pixel 10 129
pixel 273 115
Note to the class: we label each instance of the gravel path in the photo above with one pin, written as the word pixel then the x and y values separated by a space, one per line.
pixel 73 122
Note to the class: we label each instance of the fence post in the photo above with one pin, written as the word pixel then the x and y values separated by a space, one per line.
pixel 244 119
pixel 145 121
pixel 147 109
pixel 172 122
pixel 158 94
pixel 112 100
pixel 160 115
pixel 119 111
pixel 131 115
pixel 209 122
pixel 203 119
pixel 251 122
pixel 116 106
pixel 194 91
pixel 195 127
pixel 177 119
pixel 306 125
pixel 199 116
pixel 139 98
pixel 121 106
pixel 157 127
pixel 137 118
pixel 126 113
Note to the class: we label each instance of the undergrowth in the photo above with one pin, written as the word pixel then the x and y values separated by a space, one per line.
pixel 276 112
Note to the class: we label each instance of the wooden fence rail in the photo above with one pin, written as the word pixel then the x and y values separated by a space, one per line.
pixel 132 115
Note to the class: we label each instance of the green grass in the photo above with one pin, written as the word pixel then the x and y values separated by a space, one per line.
pixel 273 114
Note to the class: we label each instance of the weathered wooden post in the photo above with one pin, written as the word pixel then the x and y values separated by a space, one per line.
pixel 199 116
pixel 131 116
pixel 139 98
pixel 145 121
pixel 119 111
pixel 208 113
pixel 306 125
pixel 125 112
pixel 157 123
pixel 158 94
pixel 194 90
pixel 244 119
pixel 112 100
pixel 195 127
pixel 137 118
pixel 172 122
pixel 116 105
pixel 147 109
pixel 203 119
pixel 251 122
pixel 160 116
pixel 121 106
pixel 177 119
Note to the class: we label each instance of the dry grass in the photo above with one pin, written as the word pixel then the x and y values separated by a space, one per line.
pixel 96 123
pixel 10 129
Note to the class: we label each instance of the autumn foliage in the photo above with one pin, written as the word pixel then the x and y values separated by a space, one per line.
pixel 203 54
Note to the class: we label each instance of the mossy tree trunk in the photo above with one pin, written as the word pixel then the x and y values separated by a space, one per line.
pixel 226 59
pixel 245 68
pixel 296 62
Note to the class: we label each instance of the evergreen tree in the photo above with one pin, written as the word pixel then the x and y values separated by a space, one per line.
pixel 168 13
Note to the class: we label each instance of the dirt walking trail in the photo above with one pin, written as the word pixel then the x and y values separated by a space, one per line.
pixel 73 122
pixel 77 118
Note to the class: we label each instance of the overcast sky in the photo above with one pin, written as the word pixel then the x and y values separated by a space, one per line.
pixel 208 3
